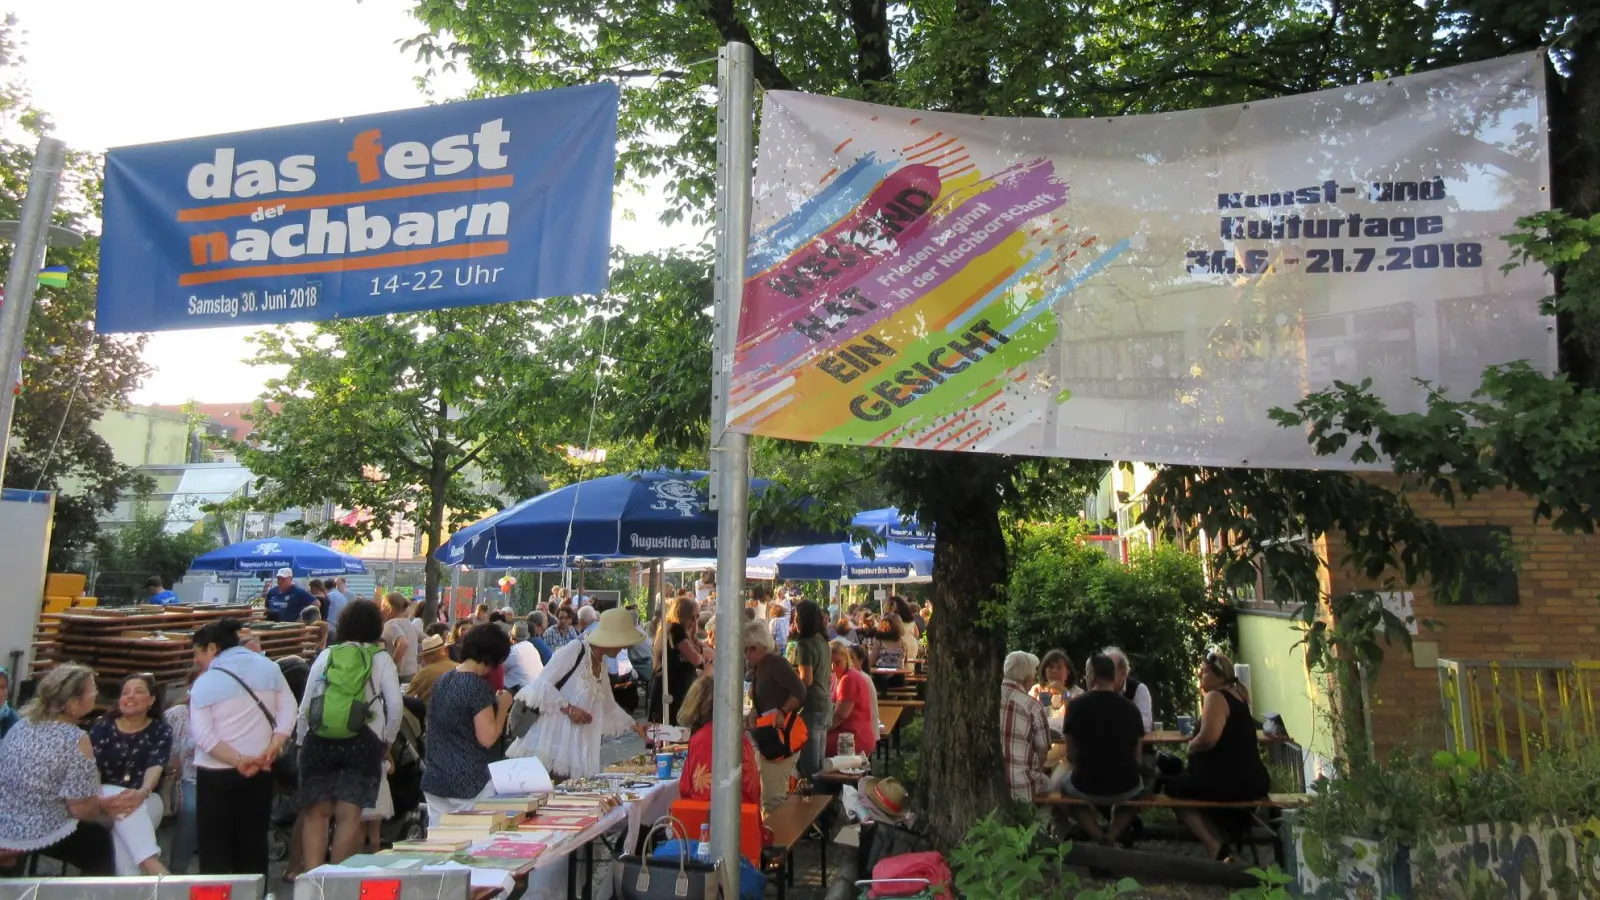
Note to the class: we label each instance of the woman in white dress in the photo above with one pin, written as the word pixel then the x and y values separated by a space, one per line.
pixel 576 707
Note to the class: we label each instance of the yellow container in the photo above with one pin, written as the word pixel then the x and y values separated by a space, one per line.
pixel 64 584
pixel 58 604
pixel 85 601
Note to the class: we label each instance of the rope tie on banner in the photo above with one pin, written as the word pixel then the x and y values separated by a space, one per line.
pixel 588 438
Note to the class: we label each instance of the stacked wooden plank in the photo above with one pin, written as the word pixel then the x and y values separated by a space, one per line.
pixel 117 642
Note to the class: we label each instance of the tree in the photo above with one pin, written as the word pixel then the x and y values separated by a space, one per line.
pixel 70 375
pixel 1068 593
pixel 430 418
pixel 1032 58
pixel 143 548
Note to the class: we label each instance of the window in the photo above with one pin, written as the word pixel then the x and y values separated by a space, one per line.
pixel 1491 578
pixel 1266 594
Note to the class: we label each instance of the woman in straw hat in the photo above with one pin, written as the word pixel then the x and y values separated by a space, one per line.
pixel 576 707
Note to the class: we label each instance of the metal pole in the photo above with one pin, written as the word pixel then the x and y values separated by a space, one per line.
pixel 27 258
pixel 730 451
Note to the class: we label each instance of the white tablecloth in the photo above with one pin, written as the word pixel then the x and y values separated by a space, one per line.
pixel 548 878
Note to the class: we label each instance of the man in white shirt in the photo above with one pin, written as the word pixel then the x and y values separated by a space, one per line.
pixel 338 596
pixel 524 663
pixel 1132 688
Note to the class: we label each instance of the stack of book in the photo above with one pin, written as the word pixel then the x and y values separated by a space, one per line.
pixel 514 805
pixel 591 804
pixel 432 844
pixel 570 812
pixel 557 822
pixel 470 826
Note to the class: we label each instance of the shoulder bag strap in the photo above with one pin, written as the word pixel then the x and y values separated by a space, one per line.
pixel 582 655
pixel 271 719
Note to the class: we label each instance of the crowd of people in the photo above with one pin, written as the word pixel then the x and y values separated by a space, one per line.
pixel 1101 755
pixel 325 737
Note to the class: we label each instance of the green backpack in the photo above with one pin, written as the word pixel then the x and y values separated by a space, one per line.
pixel 342 710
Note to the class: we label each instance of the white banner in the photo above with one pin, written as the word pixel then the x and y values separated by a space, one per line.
pixel 1141 288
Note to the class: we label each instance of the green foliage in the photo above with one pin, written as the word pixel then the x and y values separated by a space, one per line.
pixel 143 548
pixel 1412 800
pixel 409 418
pixel 71 375
pixel 906 765
pixel 1272 885
pixel 1068 594
pixel 1016 862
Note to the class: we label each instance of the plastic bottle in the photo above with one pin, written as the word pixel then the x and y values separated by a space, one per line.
pixel 702 852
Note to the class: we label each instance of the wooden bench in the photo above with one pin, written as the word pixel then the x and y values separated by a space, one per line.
pixel 1162 801
pixel 790 823
pixel 1268 806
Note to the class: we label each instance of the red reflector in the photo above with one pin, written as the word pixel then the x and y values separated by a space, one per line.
pixel 211 892
pixel 388 889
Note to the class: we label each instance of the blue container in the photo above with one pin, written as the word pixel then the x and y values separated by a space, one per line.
pixel 663 765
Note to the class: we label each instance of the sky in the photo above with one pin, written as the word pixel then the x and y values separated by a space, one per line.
pixel 112 73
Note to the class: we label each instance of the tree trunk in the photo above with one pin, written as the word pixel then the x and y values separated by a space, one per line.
pixel 438 493
pixel 963 777
pixel 431 567
pixel 1575 184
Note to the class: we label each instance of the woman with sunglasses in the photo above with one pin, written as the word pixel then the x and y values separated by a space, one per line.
pixel 1224 760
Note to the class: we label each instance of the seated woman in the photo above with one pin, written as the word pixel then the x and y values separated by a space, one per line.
pixel 695 715
pixel 854 712
pixel 1057 679
pixel 49 786
pixel 886 653
pixel 1224 760
pixel 132 747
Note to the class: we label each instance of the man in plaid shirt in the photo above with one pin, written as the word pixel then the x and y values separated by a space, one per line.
pixel 1024 733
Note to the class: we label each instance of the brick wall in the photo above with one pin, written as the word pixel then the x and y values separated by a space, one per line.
pixel 1557 616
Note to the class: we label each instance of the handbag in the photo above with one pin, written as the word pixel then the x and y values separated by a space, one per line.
pixel 523 717
pixel 885 840
pixel 779 735
pixel 647 878
pixel 909 874
pixel 285 769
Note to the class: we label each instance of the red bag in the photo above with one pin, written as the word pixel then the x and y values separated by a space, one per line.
pixel 920 871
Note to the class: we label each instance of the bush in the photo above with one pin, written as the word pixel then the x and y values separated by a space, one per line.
pixel 1156 608
pixel 1007 862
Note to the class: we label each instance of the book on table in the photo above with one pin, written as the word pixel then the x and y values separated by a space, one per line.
pixel 486 819
pixel 510 848
pixel 433 844
pixel 558 822
pixel 510 803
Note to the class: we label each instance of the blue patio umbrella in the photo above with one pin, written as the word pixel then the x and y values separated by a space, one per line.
pixel 270 554
pixel 888 524
pixel 845 562
pixel 656 513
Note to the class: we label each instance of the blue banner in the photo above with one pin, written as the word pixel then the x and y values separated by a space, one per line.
pixel 484 201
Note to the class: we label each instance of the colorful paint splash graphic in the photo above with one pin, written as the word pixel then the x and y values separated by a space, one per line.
pixel 897 302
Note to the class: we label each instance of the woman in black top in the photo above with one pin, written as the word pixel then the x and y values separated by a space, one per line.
pixel 678 657
pixel 466 718
pixel 1224 760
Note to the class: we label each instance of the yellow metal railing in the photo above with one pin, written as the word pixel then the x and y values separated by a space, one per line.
pixel 1527 706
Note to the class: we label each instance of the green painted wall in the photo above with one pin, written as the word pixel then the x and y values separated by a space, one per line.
pixel 1279 682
